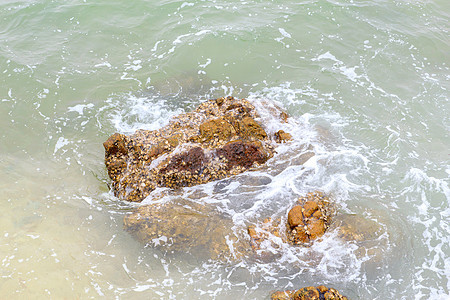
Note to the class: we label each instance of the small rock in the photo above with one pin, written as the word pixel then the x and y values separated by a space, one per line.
pixel 281 136
pixel 310 219
pixel 282 295
pixel 309 293
pixel 307 221
pixel 368 235
pixel 284 116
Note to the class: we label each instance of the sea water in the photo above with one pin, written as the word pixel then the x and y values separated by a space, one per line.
pixel 366 84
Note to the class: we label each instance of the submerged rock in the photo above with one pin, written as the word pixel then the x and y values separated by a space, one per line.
pixel 219 139
pixel 261 233
pixel 186 226
pixel 309 293
pixel 353 227
pixel 369 236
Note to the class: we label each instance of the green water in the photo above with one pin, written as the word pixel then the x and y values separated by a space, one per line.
pixel 366 84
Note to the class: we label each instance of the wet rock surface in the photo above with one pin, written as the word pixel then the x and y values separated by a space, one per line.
pixel 263 232
pixel 221 138
pixel 309 219
pixel 306 221
pixel 309 293
pixel 282 137
pixel 184 226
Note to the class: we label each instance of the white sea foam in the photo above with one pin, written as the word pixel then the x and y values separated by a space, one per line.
pixel 61 142
pixel 424 192
pixel 339 66
pixel 184 4
pixel 133 113
pixel 284 33
pixel 208 62
pixel 79 108
pixel 179 40
pixel 327 55
pixel 103 64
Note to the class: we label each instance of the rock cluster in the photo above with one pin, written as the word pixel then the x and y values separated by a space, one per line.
pixel 309 293
pixel 219 139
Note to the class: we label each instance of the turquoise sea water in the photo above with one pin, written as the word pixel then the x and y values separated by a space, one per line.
pixel 365 82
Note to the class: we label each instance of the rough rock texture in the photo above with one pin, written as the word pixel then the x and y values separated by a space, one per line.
pixel 185 226
pixel 309 220
pixel 281 136
pixel 309 293
pixel 219 139
pixel 306 221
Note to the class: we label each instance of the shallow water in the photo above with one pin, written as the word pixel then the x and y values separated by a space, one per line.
pixel 365 83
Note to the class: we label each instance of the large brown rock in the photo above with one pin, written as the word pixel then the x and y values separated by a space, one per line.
pixel 309 293
pixel 222 137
